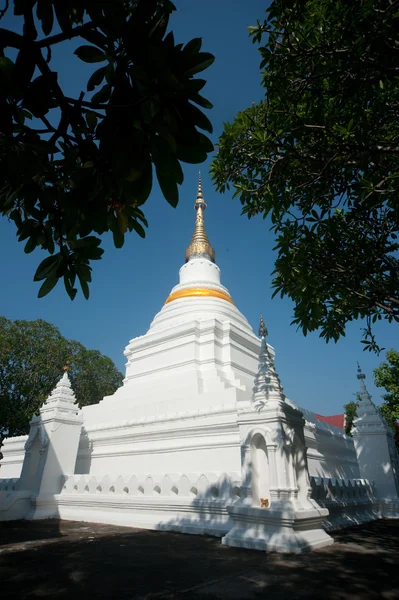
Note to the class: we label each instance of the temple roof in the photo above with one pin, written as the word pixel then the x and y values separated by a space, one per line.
pixel 336 420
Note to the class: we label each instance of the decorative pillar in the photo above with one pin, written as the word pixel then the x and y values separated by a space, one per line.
pixel 286 521
pixel 376 451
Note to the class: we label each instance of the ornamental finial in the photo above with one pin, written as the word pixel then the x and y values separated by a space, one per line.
pixel 360 375
pixel 67 367
pixel 262 328
pixel 200 245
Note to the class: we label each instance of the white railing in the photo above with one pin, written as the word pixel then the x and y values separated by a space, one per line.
pixel 9 485
pixel 206 486
pixel 349 501
pixel 327 491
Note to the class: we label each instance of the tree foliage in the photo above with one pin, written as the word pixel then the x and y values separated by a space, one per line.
pixel 32 356
pixel 320 156
pixel 387 376
pixel 350 414
pixel 73 168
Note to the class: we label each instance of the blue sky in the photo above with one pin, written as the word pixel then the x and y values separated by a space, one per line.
pixel 130 285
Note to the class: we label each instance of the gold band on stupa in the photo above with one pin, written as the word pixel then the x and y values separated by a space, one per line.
pixel 200 245
pixel 199 248
pixel 198 293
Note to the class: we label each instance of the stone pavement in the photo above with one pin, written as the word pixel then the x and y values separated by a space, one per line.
pixel 60 560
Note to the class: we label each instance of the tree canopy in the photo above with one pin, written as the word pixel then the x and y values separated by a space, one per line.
pixel 32 356
pixel 73 168
pixel 387 376
pixel 350 414
pixel 319 156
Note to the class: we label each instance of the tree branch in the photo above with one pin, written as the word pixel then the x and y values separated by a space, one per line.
pixel 61 37
pixel 96 105
pixel 5 9
pixel 30 31
pixel 12 39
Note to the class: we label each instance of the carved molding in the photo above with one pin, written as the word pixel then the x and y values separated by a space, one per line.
pixel 38 431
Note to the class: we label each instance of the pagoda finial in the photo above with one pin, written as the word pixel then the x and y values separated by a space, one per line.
pixel 262 328
pixel 200 245
pixel 360 375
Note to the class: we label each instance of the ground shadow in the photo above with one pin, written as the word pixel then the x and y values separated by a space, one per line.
pixel 114 562
pixel 19 532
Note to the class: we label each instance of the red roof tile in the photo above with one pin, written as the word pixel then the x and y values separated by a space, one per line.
pixel 336 420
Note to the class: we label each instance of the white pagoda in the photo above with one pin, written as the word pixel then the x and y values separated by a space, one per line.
pixel 200 438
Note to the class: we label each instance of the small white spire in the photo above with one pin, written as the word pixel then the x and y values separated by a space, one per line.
pixel 368 416
pixel 61 398
pixel 267 385
pixel 63 390
pixel 361 377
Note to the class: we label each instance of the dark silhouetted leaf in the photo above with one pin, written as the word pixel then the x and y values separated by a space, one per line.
pixel 90 54
pixel 45 15
pixel 47 286
pixel 96 79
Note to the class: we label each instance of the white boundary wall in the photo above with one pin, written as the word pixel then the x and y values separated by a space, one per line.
pixel 108 449
pixel 13 450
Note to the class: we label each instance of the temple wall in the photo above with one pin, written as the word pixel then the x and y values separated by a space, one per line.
pixel 208 441
pixel 187 502
pixel 13 450
pixel 181 475
pixel 200 441
pixel 188 443
pixel 330 454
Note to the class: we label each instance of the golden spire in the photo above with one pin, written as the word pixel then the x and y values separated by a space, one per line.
pixel 199 245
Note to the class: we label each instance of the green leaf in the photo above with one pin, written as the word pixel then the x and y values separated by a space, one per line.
pixel 90 54
pixel 71 291
pixel 47 267
pixel 85 242
pixel 195 85
pixel 202 61
pixel 84 271
pixel 122 221
pixel 119 238
pixel 139 190
pixel 47 286
pixel 193 46
pixel 206 143
pixel 168 187
pixel 31 244
pixel 195 153
pixel 6 68
pixel 63 16
pixel 198 99
pixel 96 79
pixel 85 286
pixel 138 228
pixel 38 97
pixel 199 119
pixel 103 95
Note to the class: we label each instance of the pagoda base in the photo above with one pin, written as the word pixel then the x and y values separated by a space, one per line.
pixel 389 508
pixel 279 530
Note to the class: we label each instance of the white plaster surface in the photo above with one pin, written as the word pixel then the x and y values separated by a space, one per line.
pixel 197 438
